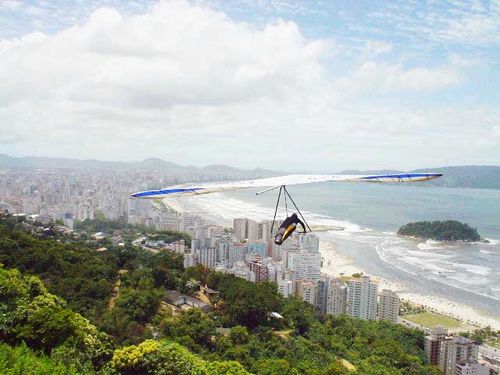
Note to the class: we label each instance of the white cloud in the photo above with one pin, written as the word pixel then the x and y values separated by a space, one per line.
pixel 378 47
pixel 10 4
pixel 189 84
pixel 373 77
pixel 496 132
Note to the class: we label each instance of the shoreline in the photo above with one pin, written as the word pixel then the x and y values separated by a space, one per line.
pixel 221 211
pixel 336 264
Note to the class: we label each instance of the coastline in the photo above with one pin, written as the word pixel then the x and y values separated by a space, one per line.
pixel 336 264
pixel 221 210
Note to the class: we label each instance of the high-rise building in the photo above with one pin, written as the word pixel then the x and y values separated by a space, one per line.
pixel 252 230
pixel 457 350
pixel 362 298
pixel 307 290
pixel 322 292
pixel 257 248
pixel 236 253
pixel 265 231
pixel 388 306
pixel 336 297
pixel 259 269
pixel 224 245
pixel 207 256
pixel 240 228
pixel 308 242
pixel 285 287
pixel 305 265
pixel 433 344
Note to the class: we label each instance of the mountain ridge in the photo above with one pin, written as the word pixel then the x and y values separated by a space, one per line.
pixel 466 176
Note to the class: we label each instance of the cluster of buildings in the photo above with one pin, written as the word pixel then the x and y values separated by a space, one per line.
pixel 247 251
pixel 69 195
pixel 454 355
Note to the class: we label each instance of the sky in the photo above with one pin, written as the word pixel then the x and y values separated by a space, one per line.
pixel 284 85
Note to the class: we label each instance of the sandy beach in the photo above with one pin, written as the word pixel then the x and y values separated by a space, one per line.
pixel 337 264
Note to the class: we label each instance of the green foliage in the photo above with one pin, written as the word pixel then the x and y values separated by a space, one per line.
pixel 226 368
pixel 193 329
pixel 486 334
pixel 77 274
pixel 22 360
pixel 43 321
pixel 101 224
pixel 166 358
pixel 138 296
pixel 448 230
pixel 169 236
pixel 29 312
pixel 299 314
pixel 245 303
pixel 274 367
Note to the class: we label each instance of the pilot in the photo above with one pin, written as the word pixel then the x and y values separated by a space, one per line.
pixel 287 228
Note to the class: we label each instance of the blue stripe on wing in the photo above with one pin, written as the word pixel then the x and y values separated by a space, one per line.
pixel 152 193
pixel 403 175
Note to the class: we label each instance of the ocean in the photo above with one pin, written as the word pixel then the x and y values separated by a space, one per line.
pixel 370 215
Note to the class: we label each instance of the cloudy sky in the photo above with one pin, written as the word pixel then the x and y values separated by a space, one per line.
pixel 319 86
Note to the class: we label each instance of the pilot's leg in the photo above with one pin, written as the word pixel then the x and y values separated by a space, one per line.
pixel 288 231
pixel 278 238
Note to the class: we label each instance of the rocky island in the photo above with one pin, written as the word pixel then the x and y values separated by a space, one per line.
pixel 447 230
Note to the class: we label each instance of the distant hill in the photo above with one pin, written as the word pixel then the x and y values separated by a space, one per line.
pixel 469 176
pixel 160 166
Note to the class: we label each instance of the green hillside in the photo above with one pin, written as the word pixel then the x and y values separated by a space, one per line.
pixel 140 334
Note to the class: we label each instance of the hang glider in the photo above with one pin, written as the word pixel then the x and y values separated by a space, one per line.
pixel 272 183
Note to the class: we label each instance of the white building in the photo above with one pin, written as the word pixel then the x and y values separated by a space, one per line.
pixel 388 306
pixel 207 256
pixel 472 369
pixel 285 287
pixel 457 350
pixel 305 265
pixel 308 243
pixel 307 290
pixel 336 297
pixel 252 232
pixel 240 269
pixel 362 298
pixel 265 231
pixel 240 228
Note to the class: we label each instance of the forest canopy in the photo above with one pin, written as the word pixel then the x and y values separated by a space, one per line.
pixel 447 230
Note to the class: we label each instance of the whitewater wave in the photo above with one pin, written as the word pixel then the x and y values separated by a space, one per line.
pixel 491 242
pixel 430 245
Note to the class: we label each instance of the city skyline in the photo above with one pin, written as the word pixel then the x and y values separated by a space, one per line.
pixel 324 86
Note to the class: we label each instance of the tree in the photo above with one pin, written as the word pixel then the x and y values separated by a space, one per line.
pixel 166 358
pixel 299 314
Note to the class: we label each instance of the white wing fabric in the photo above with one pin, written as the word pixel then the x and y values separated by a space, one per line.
pixel 213 187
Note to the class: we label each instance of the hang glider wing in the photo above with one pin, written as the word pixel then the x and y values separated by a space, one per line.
pixel 272 182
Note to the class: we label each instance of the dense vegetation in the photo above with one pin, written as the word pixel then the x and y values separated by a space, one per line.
pixel 44 332
pixel 101 224
pixel 448 230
